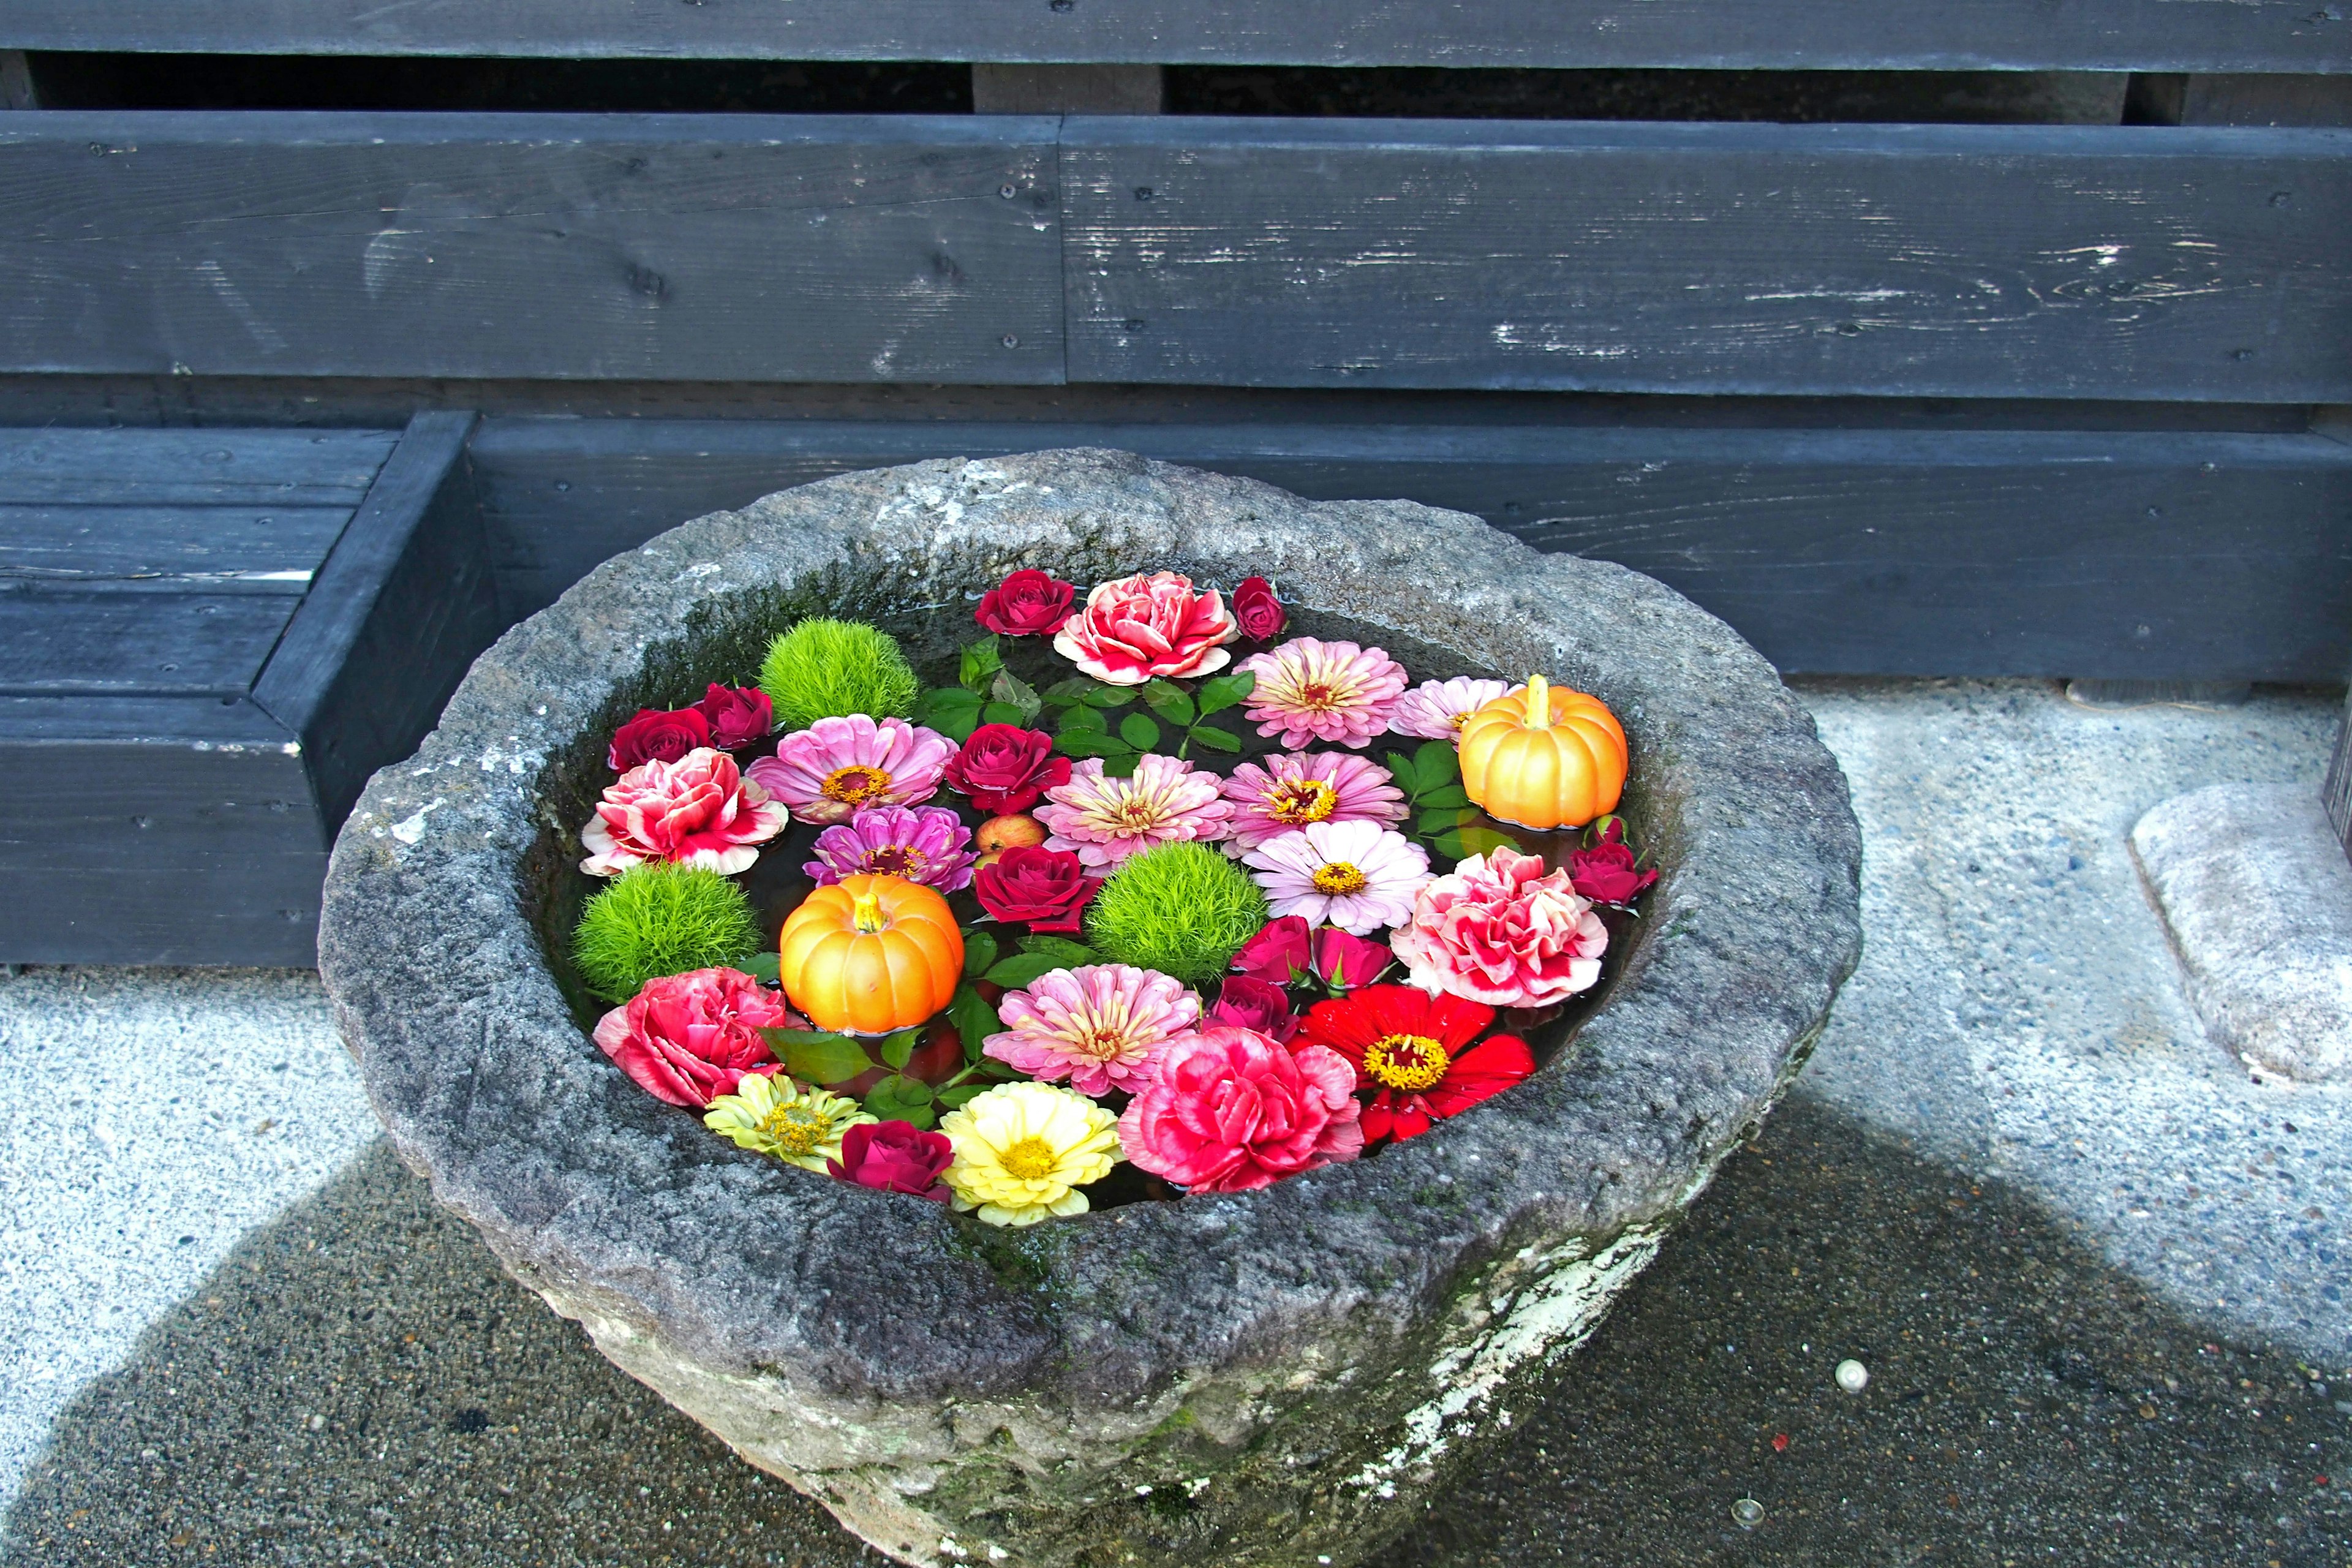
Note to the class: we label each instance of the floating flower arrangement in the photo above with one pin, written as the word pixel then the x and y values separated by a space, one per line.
pixel 1194 917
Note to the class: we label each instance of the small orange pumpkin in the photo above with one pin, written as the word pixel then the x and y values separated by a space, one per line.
pixel 870 954
pixel 1542 757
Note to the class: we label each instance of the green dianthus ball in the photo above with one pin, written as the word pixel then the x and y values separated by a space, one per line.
pixel 1181 908
pixel 823 668
pixel 658 918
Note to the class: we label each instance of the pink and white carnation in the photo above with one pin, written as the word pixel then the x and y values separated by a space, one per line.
pixel 1358 876
pixel 1435 709
pixel 1232 1109
pixel 1309 690
pixel 1103 1026
pixel 689 1038
pixel 926 844
pixel 1104 820
pixel 697 811
pixel 1500 931
pixel 1152 624
pixel 1285 792
pixel 828 771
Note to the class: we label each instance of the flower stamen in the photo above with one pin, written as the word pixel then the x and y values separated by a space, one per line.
pixel 1407 1062
pixel 1031 1160
pixel 797 1128
pixel 1298 802
pixel 855 785
pixel 1339 878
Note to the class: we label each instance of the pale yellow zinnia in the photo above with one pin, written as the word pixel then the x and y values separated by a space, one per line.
pixel 773 1115
pixel 1023 1150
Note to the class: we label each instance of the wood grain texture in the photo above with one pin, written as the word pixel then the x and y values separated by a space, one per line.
pixel 250 468
pixel 1948 260
pixel 98 641
pixel 397 613
pixel 270 550
pixel 824 247
pixel 2088 34
pixel 2172 556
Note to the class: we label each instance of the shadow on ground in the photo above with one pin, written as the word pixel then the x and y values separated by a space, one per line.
pixel 361 1383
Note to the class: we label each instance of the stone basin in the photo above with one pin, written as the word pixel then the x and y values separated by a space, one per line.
pixel 1278 1378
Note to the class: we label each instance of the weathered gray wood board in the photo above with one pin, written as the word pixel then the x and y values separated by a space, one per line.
pixel 2170 555
pixel 2087 34
pixel 730 247
pixel 2167 264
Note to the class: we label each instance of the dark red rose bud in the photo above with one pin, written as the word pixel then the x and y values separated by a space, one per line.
pixel 1030 603
pixel 1246 1004
pixel 1606 873
pixel 1256 611
pixel 739 715
pixel 1046 888
pixel 895 1157
pixel 1005 768
pixel 654 736
pixel 1282 948
pixel 1347 962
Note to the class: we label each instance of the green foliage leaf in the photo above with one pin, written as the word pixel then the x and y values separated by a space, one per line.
pixel 897 1050
pixel 1443 795
pixel 1088 743
pixel 1485 841
pixel 1436 763
pixel 1447 847
pixel 1002 713
pixel 1167 699
pixel 1062 693
pixel 980 664
pixel 1408 777
pixel 815 1056
pixel 1021 968
pixel 1085 719
pixel 1140 730
pixel 962 1094
pixel 1016 693
pixel 1102 695
pixel 1220 692
pixel 898 1098
pixel 974 1018
pixel 1216 740
pixel 951 710
pixel 1068 955
pixel 1120 764
pixel 764 967
pixel 1446 820
pixel 979 951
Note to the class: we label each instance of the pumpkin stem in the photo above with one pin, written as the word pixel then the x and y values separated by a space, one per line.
pixel 1538 702
pixel 866 912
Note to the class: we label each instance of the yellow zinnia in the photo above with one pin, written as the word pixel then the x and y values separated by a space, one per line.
pixel 1023 1150
pixel 773 1115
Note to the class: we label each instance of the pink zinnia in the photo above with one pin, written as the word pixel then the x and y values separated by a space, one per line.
pixel 1309 690
pixel 1233 1109
pixel 829 770
pixel 696 811
pixel 1500 931
pixel 1358 876
pixel 1101 1026
pixel 1104 820
pixel 689 1038
pixel 926 844
pixel 1285 793
pixel 1435 708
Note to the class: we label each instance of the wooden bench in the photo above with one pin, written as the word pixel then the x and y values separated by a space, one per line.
pixel 208 640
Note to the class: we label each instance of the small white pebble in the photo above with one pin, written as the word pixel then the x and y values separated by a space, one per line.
pixel 1852 1376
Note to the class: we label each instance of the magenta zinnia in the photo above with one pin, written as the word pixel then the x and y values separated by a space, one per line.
pixel 1104 820
pixel 926 844
pixel 1284 794
pixel 1309 690
pixel 828 771
pixel 1101 1026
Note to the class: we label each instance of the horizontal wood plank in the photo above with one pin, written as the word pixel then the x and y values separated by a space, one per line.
pixel 846 248
pixel 2159 263
pixel 78 640
pixel 2089 34
pixel 273 549
pixel 2174 555
pixel 148 468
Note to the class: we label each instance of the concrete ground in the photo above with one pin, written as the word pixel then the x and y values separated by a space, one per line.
pixel 2094 1268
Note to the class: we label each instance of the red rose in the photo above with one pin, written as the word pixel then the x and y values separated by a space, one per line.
pixel 1256 610
pixel 1047 888
pixel 1347 962
pixel 1027 603
pixel 654 736
pixel 1246 1004
pixel 689 1038
pixel 1005 768
pixel 1606 873
pixel 1283 948
pixel 738 715
pixel 894 1157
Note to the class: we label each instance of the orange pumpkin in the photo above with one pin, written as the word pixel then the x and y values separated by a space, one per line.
pixel 1543 756
pixel 870 954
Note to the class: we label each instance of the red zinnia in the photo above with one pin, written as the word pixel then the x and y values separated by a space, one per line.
pixel 1415 1050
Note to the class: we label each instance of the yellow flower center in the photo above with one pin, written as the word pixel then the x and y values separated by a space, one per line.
pixel 1454 721
pixel 1409 1062
pixel 1031 1160
pixel 855 785
pixel 797 1128
pixel 895 860
pixel 1339 878
pixel 1301 801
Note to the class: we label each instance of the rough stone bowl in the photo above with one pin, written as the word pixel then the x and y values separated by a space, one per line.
pixel 1275 1379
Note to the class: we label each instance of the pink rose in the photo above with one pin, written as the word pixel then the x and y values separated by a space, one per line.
pixel 656 736
pixel 1500 931
pixel 1282 949
pixel 687 1038
pixel 1256 611
pixel 895 1157
pixel 1005 768
pixel 1232 1109
pixel 1134 628
pixel 1027 603
pixel 1606 873
pixel 696 811
pixel 739 715
pixel 1260 1005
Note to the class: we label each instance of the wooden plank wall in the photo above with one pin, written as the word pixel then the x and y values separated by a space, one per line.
pixel 1992 35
